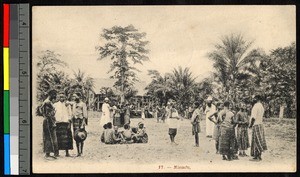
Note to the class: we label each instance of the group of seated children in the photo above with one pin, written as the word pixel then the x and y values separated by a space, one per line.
pixel 129 135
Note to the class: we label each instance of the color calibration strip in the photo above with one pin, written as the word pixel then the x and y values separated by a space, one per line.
pixel 14 88
pixel 16 68
pixel 6 94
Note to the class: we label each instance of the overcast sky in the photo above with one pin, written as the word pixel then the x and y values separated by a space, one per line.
pixel 178 35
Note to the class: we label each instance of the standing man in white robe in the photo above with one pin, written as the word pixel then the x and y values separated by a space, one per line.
pixel 105 118
pixel 62 115
pixel 209 110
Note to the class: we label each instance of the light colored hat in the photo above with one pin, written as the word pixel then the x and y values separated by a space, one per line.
pixel 168 103
pixel 106 99
pixel 209 98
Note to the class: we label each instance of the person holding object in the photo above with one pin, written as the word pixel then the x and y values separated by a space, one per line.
pixel 64 133
pixel 105 117
pixel 258 144
pixel 49 125
pixel 78 120
pixel 195 120
pixel 209 110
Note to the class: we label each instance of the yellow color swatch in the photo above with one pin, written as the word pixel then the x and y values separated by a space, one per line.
pixel 6 67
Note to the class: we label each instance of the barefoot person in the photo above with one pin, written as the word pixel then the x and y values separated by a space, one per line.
pixel 49 125
pixel 195 120
pixel 141 136
pixel 78 120
pixel 109 135
pixel 258 143
pixel 242 130
pixel 173 122
pixel 227 137
pixel 64 133
pixel 105 117
pixel 217 121
pixel 209 110
pixel 127 134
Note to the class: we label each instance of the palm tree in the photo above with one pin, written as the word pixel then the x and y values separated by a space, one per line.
pixel 82 84
pixel 183 83
pixel 230 59
pixel 160 85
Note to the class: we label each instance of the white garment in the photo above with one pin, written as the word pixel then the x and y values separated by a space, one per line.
pixel 61 114
pixel 105 117
pixel 257 113
pixel 209 124
pixel 172 120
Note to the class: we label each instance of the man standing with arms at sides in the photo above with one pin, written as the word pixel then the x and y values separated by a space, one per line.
pixel 195 120
pixel 259 143
pixel 62 116
pixel 105 118
pixel 167 112
pixel 173 123
pixel 49 125
pixel 79 116
pixel 209 110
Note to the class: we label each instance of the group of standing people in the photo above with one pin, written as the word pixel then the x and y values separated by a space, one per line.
pixel 118 114
pixel 59 116
pixel 229 128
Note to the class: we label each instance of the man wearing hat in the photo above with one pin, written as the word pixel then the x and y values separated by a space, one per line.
pixel 209 110
pixel 79 115
pixel 64 133
pixel 105 117
pixel 259 143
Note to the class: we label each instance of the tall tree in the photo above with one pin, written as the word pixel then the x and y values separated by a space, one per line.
pixel 230 59
pixel 160 86
pixel 280 78
pixel 50 74
pixel 82 84
pixel 183 83
pixel 122 44
pixel 107 92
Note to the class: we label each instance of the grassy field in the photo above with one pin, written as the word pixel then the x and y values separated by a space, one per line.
pixel 158 155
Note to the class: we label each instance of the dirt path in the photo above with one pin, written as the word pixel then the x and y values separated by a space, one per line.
pixel 160 156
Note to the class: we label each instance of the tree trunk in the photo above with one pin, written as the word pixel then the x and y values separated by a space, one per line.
pixel 122 87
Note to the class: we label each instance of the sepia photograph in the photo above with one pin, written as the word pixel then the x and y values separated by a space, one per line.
pixel 164 89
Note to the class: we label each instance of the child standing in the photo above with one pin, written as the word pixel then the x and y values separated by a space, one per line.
pixel 173 123
pixel 217 122
pixel 195 120
pixel 242 130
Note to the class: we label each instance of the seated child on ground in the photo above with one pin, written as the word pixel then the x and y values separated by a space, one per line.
pixel 102 136
pixel 109 135
pixel 141 135
pixel 117 133
pixel 127 134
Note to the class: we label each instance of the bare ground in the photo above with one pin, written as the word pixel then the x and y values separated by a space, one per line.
pixel 158 155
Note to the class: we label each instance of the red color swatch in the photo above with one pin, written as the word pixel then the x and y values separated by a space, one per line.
pixel 5 25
